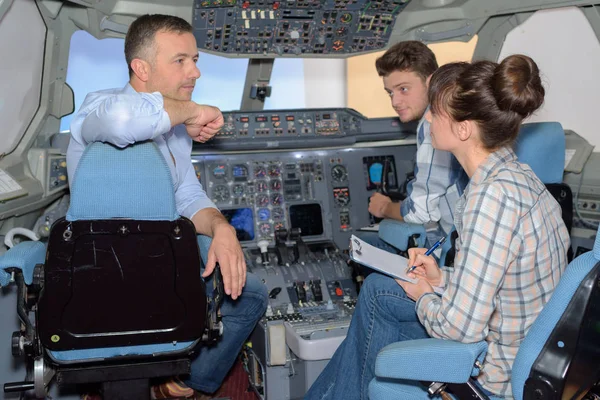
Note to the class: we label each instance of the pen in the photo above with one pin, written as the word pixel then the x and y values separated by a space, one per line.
pixel 429 252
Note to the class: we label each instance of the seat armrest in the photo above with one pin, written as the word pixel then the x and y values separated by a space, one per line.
pixel 24 256
pixel 435 360
pixel 397 233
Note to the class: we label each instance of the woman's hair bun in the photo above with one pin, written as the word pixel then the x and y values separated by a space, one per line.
pixel 517 85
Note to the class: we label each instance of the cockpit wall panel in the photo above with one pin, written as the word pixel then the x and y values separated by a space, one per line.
pixel 21 70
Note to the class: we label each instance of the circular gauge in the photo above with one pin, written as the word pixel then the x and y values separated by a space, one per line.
pixel 274 171
pixel 260 171
pixel 264 214
pixel 278 226
pixel 239 171
pixel 220 193
pixel 238 190
pixel 219 171
pixel 276 199
pixel 339 173
pixel 261 186
pixel 277 213
pixel 275 184
pixel 265 228
pixel 262 200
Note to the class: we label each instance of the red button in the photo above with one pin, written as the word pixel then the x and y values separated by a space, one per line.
pixel 339 291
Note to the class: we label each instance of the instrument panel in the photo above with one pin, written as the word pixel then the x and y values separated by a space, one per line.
pixel 277 28
pixel 323 192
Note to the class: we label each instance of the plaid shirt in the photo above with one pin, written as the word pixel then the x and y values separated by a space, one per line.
pixel 438 184
pixel 511 251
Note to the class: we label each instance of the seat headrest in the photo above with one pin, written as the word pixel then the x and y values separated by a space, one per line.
pixel 541 145
pixel 134 182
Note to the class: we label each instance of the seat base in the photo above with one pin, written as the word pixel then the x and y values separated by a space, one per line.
pixel 123 382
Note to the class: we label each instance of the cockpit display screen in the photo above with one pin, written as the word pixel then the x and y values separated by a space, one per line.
pixel 380 172
pixel 242 219
pixel 308 218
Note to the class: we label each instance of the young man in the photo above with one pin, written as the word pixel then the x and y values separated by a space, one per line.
pixel 439 180
pixel 161 53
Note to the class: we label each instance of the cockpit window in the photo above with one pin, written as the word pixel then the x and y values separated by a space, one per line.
pixel 221 83
pixel 287 83
pixel 21 66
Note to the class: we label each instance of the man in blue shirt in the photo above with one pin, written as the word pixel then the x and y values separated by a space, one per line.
pixel 156 105
pixel 439 180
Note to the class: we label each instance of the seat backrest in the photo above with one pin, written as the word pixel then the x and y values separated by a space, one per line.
pixel 561 349
pixel 123 269
pixel 541 145
pixel 134 182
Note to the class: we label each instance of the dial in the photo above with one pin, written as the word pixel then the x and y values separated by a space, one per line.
pixel 278 226
pixel 221 193
pixel 239 172
pixel 238 190
pixel 260 171
pixel 277 213
pixel 274 170
pixel 276 199
pixel 339 173
pixel 264 214
pixel 219 171
pixel 262 200
pixel 265 228
pixel 261 186
pixel 275 184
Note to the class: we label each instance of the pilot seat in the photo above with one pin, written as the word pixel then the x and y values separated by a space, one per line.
pixel 558 359
pixel 117 294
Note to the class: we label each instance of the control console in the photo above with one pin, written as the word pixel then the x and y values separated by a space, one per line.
pixel 275 28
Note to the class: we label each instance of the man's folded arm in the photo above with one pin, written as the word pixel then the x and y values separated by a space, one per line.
pixel 122 119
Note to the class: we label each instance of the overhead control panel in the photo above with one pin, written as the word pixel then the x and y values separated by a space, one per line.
pixel 291 129
pixel 303 27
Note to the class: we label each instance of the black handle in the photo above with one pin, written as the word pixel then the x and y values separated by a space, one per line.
pixel 12 387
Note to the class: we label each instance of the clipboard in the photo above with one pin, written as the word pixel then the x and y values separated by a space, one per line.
pixel 387 263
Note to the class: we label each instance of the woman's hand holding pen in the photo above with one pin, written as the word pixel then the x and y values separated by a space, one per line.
pixel 426 272
pixel 426 266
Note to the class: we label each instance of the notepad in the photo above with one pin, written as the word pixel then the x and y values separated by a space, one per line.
pixel 380 260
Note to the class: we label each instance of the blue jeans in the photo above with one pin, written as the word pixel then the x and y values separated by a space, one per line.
pixel 213 363
pixel 384 315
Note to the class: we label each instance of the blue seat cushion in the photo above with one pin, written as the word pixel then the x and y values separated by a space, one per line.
pixel 24 256
pixel 88 355
pixel 539 142
pixel 397 233
pixel 142 190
